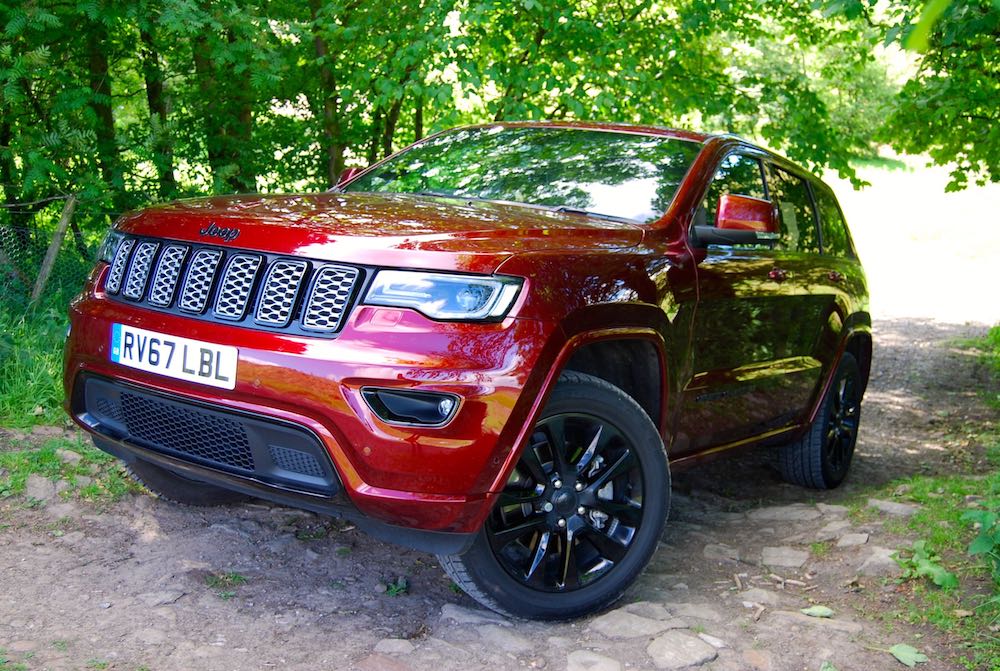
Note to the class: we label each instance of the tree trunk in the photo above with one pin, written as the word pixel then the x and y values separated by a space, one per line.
pixel 390 126
pixel 108 159
pixel 418 119
pixel 17 216
pixel 163 154
pixel 332 144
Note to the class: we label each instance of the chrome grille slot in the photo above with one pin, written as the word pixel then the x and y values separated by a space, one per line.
pixel 138 270
pixel 281 287
pixel 237 281
pixel 328 298
pixel 117 271
pixel 168 270
pixel 198 282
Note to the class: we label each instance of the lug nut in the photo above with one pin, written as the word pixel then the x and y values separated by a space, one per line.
pixel 578 486
pixel 581 510
pixel 547 507
pixel 557 484
pixel 561 522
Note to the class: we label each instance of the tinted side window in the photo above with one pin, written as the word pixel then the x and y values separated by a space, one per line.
pixel 798 220
pixel 738 175
pixel 836 241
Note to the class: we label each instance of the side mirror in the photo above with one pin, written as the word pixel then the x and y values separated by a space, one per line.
pixel 739 220
pixel 347 176
pixel 743 213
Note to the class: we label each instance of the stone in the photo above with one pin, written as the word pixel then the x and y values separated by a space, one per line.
pixel 832 510
pixel 497 638
pixel 720 551
pixel 150 636
pixel 39 488
pixel 585 660
pixel 831 530
pixel 712 640
pixel 761 596
pixel 394 646
pixel 894 508
pixel 68 456
pixel 784 556
pixel 759 660
pixel 880 563
pixel 621 624
pixel 677 650
pixel 84 480
pixel 829 623
pixel 163 598
pixel 697 611
pixel 851 540
pixel 797 512
pixel 462 615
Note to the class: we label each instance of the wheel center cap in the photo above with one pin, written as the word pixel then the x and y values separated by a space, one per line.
pixel 564 502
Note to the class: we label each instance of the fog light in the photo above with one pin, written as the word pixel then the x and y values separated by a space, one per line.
pixel 412 408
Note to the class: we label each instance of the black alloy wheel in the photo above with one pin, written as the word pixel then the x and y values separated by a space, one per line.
pixel 581 513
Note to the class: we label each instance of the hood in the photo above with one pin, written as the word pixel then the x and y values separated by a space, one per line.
pixel 382 229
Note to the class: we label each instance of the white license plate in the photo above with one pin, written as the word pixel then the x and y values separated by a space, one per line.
pixel 181 358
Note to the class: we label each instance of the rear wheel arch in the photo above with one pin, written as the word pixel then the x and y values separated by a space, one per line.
pixel 859 345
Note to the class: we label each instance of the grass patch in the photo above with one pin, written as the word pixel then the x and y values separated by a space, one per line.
pixel 92 475
pixel 224 584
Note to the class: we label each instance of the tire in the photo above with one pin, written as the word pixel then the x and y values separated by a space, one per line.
pixel 580 516
pixel 177 489
pixel 821 458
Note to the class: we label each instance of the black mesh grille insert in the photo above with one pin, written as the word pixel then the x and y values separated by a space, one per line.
pixel 186 430
pixel 295 461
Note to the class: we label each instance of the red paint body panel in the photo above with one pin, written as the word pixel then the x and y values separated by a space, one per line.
pixel 585 281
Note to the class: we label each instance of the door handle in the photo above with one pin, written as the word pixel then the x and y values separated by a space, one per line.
pixel 777 274
pixel 835 276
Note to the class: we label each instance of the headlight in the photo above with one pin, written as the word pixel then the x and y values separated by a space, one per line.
pixel 446 297
pixel 108 248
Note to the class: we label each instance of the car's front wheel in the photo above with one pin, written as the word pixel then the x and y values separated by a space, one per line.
pixel 581 514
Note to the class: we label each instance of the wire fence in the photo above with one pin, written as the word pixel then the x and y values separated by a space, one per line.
pixel 45 262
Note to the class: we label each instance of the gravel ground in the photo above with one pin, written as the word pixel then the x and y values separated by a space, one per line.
pixel 127 586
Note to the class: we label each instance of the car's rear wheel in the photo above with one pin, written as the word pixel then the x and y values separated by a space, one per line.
pixel 178 489
pixel 822 456
pixel 580 515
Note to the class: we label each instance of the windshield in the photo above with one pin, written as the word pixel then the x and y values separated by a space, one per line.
pixel 622 175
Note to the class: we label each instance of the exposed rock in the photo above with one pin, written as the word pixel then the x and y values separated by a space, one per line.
pixel 831 530
pixel 712 640
pixel 828 509
pixel 677 650
pixel 784 556
pixel 39 488
pixel 850 540
pixel 463 615
pixel 498 638
pixel 894 508
pixel 880 563
pixel 653 611
pixel 380 662
pixel 761 596
pixel 150 636
pixel 620 624
pixel 394 646
pixel 797 512
pixel 720 551
pixel 697 611
pixel 794 617
pixel 585 660
pixel 68 456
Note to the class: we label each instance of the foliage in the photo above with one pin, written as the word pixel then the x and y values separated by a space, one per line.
pixel 987 542
pixel 923 562
pixel 908 655
pixel 30 365
pixel 124 104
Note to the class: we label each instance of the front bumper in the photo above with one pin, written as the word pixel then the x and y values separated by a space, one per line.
pixel 431 479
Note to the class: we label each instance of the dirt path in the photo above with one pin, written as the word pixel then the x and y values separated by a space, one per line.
pixel 126 587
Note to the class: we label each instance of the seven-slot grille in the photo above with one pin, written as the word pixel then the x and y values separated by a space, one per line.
pixel 251 289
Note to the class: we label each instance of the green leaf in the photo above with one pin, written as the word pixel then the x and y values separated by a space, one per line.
pixel 817 611
pixel 907 654
pixel 919 39
pixel 827 666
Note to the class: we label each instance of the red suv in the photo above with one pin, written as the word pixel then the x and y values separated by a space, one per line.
pixel 493 346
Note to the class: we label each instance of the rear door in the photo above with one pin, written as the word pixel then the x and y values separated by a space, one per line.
pixel 758 324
